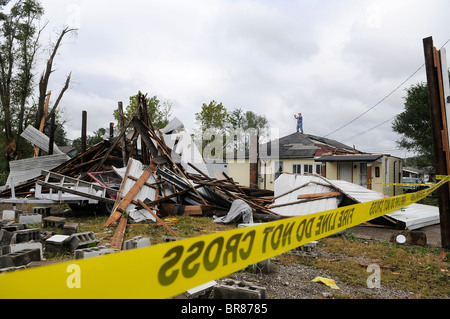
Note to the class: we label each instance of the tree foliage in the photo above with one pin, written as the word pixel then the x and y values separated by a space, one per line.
pixel 20 46
pixel 229 129
pixel 91 140
pixel 158 112
pixel 414 123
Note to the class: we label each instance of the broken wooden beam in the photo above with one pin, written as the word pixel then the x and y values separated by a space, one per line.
pixel 117 240
pixel 319 195
pixel 128 198
pixel 157 218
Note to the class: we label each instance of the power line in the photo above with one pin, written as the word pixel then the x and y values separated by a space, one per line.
pixel 379 102
pixel 343 141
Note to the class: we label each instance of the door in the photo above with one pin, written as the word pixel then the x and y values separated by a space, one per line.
pixel 345 171
pixel 363 174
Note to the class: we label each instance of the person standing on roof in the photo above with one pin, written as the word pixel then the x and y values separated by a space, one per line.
pixel 299 118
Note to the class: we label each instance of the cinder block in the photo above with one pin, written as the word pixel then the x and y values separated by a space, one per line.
pixel 30 218
pixel 167 239
pixel 12 269
pixel 56 244
pixel 44 211
pixel 5 237
pixel 306 250
pixel 11 226
pixel 136 242
pixel 29 245
pixel 70 228
pixel 233 289
pixel 9 215
pixel 81 240
pixel 53 221
pixel 20 258
pixel 25 235
pixel 92 252
pixel 200 292
pixel 4 250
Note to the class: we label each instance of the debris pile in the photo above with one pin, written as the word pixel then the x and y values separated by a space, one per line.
pixel 143 173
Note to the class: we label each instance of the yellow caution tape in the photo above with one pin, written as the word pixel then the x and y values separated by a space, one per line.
pixel 406 184
pixel 165 270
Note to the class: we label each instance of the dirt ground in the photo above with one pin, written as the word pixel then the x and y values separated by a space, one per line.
pixel 433 233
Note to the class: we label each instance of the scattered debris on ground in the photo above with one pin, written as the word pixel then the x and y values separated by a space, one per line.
pixel 152 177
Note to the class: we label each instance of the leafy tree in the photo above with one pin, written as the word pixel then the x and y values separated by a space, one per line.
pixel 212 116
pixel 214 121
pixel 91 140
pixel 241 122
pixel 19 50
pixel 415 125
pixel 210 128
pixel 158 112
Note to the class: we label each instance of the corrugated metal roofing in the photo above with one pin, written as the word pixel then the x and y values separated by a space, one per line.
pixel 412 217
pixel 39 139
pixel 349 158
pixel 174 125
pixel 289 186
pixel 136 170
pixel 29 168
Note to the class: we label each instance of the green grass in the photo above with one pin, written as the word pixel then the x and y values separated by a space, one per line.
pixel 419 270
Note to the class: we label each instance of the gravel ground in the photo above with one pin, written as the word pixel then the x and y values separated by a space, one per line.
pixel 294 282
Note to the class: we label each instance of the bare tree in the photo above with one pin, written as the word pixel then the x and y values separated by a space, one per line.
pixel 43 83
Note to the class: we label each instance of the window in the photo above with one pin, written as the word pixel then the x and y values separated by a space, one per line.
pixel 377 171
pixel 386 172
pixel 296 169
pixel 319 169
pixel 307 168
pixel 278 169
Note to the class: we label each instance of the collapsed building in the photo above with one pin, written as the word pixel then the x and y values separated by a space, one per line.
pixel 145 174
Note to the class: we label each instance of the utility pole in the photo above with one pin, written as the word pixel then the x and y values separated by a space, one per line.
pixel 83 133
pixel 437 102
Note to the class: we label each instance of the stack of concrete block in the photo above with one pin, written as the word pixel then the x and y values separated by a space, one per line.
pixel 136 242
pixel 59 244
pixel 18 245
pixel 234 289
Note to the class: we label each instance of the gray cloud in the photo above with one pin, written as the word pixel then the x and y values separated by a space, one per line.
pixel 330 60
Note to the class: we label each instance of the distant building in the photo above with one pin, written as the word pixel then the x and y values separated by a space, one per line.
pixel 299 153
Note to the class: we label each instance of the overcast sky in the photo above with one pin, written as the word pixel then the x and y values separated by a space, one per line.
pixel 330 60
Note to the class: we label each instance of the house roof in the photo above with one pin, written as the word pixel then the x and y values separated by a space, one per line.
pixel 349 158
pixel 299 145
